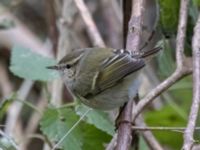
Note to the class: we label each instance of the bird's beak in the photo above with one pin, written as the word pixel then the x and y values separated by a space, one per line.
pixel 56 67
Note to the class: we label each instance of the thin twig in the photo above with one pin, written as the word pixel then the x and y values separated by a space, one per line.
pixel 71 129
pixel 180 71
pixel 15 108
pixel 174 129
pixel 51 21
pixel 147 135
pixel 188 135
pixel 177 75
pixel 34 121
pixel 135 26
pixel 117 9
pixel 13 126
pixel 113 25
pixel 92 30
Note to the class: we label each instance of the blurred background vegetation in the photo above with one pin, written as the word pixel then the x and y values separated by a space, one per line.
pixel 36 112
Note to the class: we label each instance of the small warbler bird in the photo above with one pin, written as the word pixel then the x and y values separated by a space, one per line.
pixel 102 78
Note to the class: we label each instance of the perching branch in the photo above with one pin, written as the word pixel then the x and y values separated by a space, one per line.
pixel 188 135
pixel 124 138
pixel 180 71
pixel 147 135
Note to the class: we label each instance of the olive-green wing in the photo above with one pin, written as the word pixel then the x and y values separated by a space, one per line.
pixel 115 69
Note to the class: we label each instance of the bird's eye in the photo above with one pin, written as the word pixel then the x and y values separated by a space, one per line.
pixel 68 66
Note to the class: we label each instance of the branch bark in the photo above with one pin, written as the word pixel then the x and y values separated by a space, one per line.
pixel 124 136
pixel 180 39
pixel 132 43
pixel 135 26
pixel 188 135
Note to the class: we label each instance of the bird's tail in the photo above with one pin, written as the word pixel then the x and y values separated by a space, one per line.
pixel 150 53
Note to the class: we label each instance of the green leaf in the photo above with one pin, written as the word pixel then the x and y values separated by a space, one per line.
pixel 56 122
pixel 183 97
pixel 196 2
pixel 169 10
pixel 167 116
pixel 94 138
pixel 97 118
pixel 164 117
pixel 29 65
